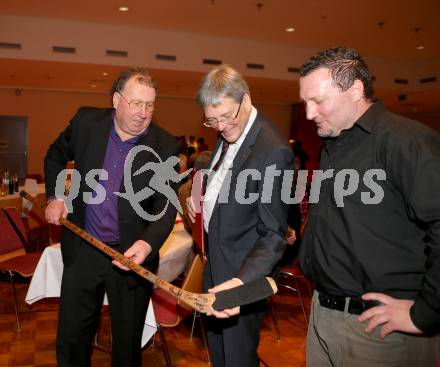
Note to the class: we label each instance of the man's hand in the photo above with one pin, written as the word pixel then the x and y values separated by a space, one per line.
pixel 228 312
pixel 137 253
pixel 191 209
pixel 393 314
pixel 55 210
pixel 290 236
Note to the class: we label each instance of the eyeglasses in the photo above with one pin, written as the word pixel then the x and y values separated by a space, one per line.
pixel 213 122
pixel 137 106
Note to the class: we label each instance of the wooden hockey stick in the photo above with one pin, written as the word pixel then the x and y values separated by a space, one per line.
pixel 202 302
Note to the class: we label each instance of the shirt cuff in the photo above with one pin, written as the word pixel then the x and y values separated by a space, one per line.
pixel 239 280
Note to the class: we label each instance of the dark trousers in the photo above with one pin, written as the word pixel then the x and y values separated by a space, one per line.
pixel 82 292
pixel 233 342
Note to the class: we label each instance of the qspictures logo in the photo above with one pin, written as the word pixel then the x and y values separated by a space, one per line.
pixel 345 183
pixel 163 174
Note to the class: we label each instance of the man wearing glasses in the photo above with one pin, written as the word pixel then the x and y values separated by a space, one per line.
pixel 102 138
pixel 244 240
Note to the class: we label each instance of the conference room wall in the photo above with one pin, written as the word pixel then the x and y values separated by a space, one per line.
pixel 49 111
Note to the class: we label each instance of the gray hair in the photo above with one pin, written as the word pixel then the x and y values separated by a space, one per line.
pixel 222 81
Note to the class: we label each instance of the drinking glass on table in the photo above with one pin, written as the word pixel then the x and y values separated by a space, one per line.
pixel 4 187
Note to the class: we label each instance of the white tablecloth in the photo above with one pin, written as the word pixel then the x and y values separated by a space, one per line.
pixel 174 253
pixel 37 189
pixel 46 281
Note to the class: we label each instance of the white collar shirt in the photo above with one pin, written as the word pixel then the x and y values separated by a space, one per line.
pixel 215 184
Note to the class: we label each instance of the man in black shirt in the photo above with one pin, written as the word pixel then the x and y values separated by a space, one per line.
pixel 372 243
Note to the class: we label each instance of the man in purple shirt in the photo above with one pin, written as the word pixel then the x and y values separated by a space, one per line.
pixel 102 138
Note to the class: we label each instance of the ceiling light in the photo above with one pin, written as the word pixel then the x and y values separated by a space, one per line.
pixel 123 8
pixel 104 74
pixel 290 29
pixel 420 47
pixel 93 86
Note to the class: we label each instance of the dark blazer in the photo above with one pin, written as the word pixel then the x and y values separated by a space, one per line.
pixel 85 142
pixel 247 240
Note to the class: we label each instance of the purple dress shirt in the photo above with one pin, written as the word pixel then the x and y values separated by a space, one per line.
pixel 102 219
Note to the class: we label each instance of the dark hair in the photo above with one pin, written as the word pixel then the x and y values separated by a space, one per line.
pixel 142 76
pixel 345 65
pixel 202 160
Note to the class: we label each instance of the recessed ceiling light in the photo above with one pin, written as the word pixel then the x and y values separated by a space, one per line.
pixel 93 86
pixel 123 8
pixel 104 74
pixel 420 47
pixel 290 29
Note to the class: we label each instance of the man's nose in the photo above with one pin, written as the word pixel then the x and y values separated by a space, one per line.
pixel 143 111
pixel 310 112
pixel 221 125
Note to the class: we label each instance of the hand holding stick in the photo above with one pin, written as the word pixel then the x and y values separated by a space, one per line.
pixel 202 302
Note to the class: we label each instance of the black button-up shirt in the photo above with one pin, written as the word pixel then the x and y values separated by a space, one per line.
pixel 385 236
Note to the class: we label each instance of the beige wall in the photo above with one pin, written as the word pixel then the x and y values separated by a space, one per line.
pixel 49 111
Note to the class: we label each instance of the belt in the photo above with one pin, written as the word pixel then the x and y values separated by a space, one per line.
pixel 356 305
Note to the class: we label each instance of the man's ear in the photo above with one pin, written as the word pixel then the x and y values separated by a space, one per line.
pixel 116 99
pixel 357 90
pixel 247 102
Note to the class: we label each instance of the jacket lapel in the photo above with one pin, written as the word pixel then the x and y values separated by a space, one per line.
pixel 151 141
pixel 99 138
pixel 242 155
pixel 246 148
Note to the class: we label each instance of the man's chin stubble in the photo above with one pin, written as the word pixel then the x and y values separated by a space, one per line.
pixel 326 134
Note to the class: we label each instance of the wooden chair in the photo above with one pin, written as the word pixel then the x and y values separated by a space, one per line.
pixel 37 229
pixel 169 311
pixel 13 258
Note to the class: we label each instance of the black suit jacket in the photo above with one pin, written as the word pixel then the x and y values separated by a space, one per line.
pixel 85 141
pixel 247 240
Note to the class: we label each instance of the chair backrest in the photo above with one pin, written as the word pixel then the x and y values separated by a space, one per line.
pixel 193 281
pixel 35 219
pixel 198 232
pixel 10 243
pixel 169 312
pixel 304 224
